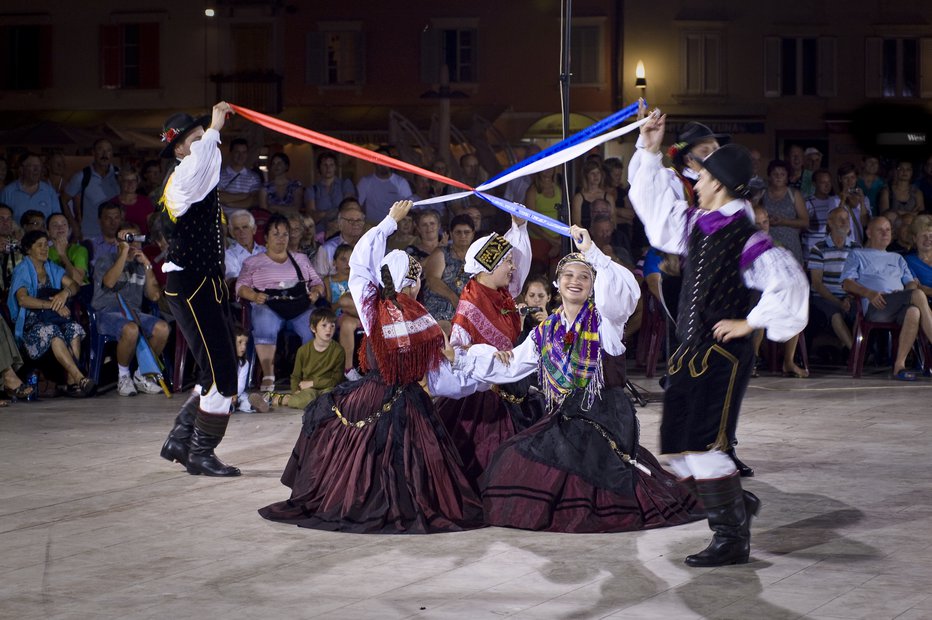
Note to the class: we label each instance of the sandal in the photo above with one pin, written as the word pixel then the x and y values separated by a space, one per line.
pixel 87 386
pixel 4 403
pixel 23 392
pixel 267 384
pixel 905 375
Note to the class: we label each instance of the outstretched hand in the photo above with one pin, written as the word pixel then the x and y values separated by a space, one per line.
pixel 400 209
pixel 581 238
pixel 219 115
pixel 652 132
pixel 729 329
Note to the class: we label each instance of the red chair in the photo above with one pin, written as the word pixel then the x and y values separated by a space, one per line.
pixel 861 331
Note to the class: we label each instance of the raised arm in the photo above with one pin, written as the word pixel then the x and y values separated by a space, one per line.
pixel 198 173
pixel 518 237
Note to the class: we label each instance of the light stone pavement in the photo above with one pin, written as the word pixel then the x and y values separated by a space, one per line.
pixel 93 524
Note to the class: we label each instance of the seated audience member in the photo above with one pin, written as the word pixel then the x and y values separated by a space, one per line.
pixel 444 272
pixel 351 222
pixel 150 180
pixel 281 194
pixel 243 230
pixel 828 300
pixel 38 308
pixel 920 260
pixel 476 216
pixel 244 401
pixel 239 186
pixel 901 196
pixel 63 252
pixel 318 365
pixel 888 291
pixel 337 283
pixel 601 229
pixel 870 182
pixel 902 234
pixel 819 205
pixel 297 232
pixel 30 192
pixel 128 274
pixel 10 361
pixel 110 218
pixel 592 188
pixel 308 243
pixel 403 235
pixel 854 200
pixel 136 207
pixel 924 184
pixel 534 304
pixel 264 280
pixel 32 220
pixel 378 191
pixel 10 255
pixel 324 197
pixel 427 239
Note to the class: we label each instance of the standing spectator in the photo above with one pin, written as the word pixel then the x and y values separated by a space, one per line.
pixel 150 180
pixel 63 252
pixel 404 234
pixel 380 190
pixel 798 176
pixel 243 230
pixel 4 172
pixel 924 184
pixel 901 196
pixel 352 224
pixel 871 183
pixel 592 189
pixel 436 187
pixel 516 189
pixel 826 262
pixel 902 234
pixel 29 192
pixel 888 290
pixel 854 200
pixel 813 160
pixel 239 186
pixel 324 197
pixel 276 269
pixel 89 188
pixel 920 261
pixel 444 272
pixel 136 207
pixel 473 176
pixel 785 207
pixel 281 194
pixel 55 171
pixel 128 274
pixel 37 303
pixel 819 205
pixel 110 216
pixel 545 196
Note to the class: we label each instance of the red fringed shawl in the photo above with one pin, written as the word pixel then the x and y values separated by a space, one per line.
pixel 488 315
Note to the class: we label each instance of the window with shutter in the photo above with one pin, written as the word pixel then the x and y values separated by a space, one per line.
pixel 587 51
pixel 453 42
pixel 702 63
pixel 336 55
pixel 799 66
pixel 27 51
pixel 129 56
pixel 893 67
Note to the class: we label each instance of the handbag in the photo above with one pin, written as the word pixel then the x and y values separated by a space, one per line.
pixel 48 316
pixel 290 302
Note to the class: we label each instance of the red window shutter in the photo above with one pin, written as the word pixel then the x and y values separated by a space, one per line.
pixel 111 57
pixel 149 55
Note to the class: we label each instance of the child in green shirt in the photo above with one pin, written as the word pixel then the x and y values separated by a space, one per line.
pixel 318 365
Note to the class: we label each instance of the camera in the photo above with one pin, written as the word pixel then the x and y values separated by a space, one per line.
pixel 526 310
pixel 133 237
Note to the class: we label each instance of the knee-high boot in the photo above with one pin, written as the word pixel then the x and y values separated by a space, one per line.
pixel 729 510
pixel 209 429
pixel 175 447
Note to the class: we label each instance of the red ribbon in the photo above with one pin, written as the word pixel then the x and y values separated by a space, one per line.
pixel 341 147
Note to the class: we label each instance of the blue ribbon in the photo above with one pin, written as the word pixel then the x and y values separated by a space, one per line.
pixel 526 214
pixel 589 132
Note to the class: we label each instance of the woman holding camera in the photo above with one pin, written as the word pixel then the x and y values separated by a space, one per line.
pixel 283 288
pixel 487 314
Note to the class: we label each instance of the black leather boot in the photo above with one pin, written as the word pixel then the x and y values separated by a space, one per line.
pixel 743 469
pixel 209 429
pixel 729 510
pixel 175 447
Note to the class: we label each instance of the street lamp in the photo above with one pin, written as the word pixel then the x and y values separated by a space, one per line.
pixel 640 77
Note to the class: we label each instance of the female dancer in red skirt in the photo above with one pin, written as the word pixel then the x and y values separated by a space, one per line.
pixel 580 469
pixel 372 456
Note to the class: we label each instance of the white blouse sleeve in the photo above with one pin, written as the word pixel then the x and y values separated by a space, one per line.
pixel 196 175
pixel 518 237
pixel 616 295
pixel 784 304
pixel 657 197
pixel 365 265
pixel 446 382
pixel 479 363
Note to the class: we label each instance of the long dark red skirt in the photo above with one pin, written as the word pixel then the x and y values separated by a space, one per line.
pixel 397 474
pixel 561 475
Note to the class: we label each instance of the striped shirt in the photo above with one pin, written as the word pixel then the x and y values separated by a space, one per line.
pixel 243 182
pixel 261 272
pixel 828 257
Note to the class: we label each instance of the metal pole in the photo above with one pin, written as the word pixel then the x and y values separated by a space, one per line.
pixel 565 78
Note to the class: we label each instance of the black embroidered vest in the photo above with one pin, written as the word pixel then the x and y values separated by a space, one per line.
pixel 196 239
pixel 713 286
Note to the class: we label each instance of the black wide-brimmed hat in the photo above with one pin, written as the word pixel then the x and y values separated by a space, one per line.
pixel 731 166
pixel 176 127
pixel 693 133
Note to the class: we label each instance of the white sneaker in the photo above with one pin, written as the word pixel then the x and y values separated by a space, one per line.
pixel 353 375
pixel 125 386
pixel 146 385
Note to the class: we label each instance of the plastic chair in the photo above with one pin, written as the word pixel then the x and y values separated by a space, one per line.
pixel 97 343
pixel 861 332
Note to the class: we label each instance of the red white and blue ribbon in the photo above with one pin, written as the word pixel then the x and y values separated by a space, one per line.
pixel 570 148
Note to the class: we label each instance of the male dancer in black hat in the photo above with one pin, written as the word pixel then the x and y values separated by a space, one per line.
pixel 725 257
pixel 196 291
